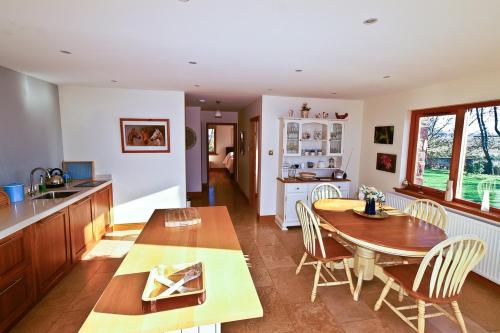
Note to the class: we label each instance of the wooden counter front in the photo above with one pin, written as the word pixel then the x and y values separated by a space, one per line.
pixel 230 292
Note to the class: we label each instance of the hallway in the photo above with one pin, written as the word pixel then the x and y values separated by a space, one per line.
pixel 285 297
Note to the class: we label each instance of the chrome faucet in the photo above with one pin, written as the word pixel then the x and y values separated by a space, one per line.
pixel 32 173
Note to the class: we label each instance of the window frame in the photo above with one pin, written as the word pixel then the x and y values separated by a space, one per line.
pixel 459 112
pixel 215 141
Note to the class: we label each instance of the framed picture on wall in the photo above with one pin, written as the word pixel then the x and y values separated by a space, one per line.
pixel 241 144
pixel 384 135
pixel 386 162
pixel 145 135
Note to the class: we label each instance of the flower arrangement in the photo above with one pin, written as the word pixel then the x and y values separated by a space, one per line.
pixel 304 111
pixel 370 192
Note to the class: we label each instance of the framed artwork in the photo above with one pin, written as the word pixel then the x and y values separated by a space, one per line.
pixel 386 162
pixel 242 143
pixel 145 135
pixel 384 135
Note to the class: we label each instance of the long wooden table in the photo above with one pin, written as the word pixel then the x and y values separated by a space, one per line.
pixel 399 234
pixel 230 292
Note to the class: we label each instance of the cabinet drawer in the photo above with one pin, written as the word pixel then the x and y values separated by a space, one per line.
pixel 343 186
pixel 11 252
pixel 295 188
pixel 15 298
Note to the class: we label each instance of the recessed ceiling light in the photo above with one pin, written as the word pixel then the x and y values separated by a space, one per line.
pixel 387 77
pixel 298 70
pixel 197 85
pixel 65 52
pixel 114 81
pixel 192 62
pixel 371 20
pixel 202 100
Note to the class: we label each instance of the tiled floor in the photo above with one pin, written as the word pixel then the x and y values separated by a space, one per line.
pixel 285 297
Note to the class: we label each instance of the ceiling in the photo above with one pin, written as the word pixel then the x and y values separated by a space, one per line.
pixel 245 48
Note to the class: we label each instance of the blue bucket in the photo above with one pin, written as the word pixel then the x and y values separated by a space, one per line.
pixel 15 191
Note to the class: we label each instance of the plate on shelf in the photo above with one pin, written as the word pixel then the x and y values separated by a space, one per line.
pixel 379 215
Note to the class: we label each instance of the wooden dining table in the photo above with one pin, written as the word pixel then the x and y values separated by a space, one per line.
pixel 398 234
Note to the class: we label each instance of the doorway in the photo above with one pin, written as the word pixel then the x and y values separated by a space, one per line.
pixel 221 153
pixel 254 162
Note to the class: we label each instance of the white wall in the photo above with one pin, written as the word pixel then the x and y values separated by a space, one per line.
pixel 395 110
pixel 244 116
pixel 224 138
pixel 209 117
pixel 193 155
pixel 90 119
pixel 274 107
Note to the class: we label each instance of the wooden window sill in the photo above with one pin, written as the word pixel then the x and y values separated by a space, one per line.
pixel 491 215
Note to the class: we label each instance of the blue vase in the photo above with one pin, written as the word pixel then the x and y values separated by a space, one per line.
pixel 367 206
pixel 371 207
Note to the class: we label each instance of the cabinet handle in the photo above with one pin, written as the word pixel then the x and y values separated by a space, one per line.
pixel 11 285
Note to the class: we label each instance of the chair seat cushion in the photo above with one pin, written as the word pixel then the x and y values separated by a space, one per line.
pixel 404 275
pixel 333 250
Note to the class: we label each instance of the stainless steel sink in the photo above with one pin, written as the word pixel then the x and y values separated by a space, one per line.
pixel 56 195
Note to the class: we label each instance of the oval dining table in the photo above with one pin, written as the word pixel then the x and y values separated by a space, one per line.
pixel 398 234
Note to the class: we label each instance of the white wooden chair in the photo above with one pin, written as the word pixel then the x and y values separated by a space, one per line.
pixel 429 211
pixel 437 280
pixel 323 250
pixel 325 191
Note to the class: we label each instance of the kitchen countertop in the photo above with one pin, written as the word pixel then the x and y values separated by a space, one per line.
pixel 19 215
pixel 296 180
pixel 230 292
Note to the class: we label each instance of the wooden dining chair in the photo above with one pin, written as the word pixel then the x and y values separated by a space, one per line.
pixel 322 250
pixel 429 211
pixel 325 191
pixel 437 280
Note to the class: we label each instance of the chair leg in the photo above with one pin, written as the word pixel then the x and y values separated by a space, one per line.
pixel 401 294
pixel 359 284
pixel 384 293
pixel 316 280
pixel 349 277
pixel 421 316
pixel 302 261
pixel 458 315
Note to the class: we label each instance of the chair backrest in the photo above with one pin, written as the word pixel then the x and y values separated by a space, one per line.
pixel 325 191
pixel 450 262
pixel 310 228
pixel 429 211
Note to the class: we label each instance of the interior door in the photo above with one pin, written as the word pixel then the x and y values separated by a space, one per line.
pixel 254 162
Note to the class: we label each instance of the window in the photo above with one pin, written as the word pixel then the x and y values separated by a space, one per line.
pixel 459 143
pixel 212 140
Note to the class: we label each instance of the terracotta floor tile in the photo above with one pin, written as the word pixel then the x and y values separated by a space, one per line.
pixel 275 257
pixel 369 325
pixel 70 322
pixel 312 317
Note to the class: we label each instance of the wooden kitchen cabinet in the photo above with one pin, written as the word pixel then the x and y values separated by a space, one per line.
pixel 51 250
pixel 102 202
pixel 81 227
pixel 17 292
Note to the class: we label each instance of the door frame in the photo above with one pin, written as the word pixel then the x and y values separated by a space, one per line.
pixel 235 146
pixel 254 193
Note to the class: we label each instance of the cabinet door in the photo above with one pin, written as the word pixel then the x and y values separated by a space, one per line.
pixel 290 201
pixel 336 138
pixel 80 221
pixel 52 250
pixel 102 207
pixel 16 296
pixel 292 138
pixel 14 253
